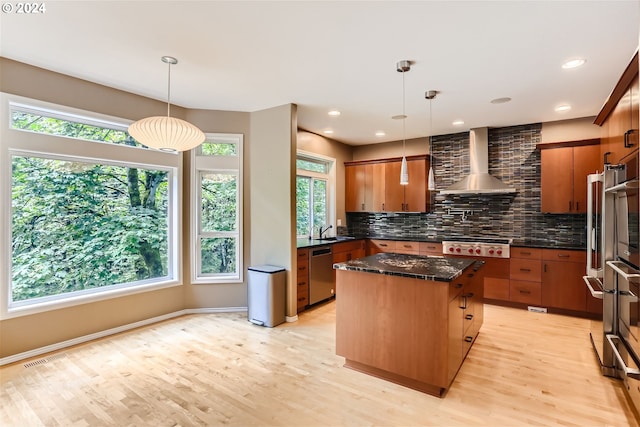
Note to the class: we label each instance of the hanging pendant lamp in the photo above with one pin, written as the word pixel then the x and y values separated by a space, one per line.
pixel 167 133
pixel 403 67
pixel 431 181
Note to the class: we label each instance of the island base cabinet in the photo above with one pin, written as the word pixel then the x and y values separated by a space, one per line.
pixel 405 330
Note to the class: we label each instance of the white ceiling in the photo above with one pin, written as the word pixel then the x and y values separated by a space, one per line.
pixel 322 55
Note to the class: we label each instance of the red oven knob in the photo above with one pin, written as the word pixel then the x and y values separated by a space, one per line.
pixel 478 251
pixel 458 250
pixel 450 249
pixel 470 250
pixel 499 251
pixel 491 251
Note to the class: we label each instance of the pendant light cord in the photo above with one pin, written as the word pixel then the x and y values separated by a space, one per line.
pixel 404 118
pixel 169 91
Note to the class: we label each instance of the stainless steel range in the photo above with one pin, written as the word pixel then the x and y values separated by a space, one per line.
pixel 478 247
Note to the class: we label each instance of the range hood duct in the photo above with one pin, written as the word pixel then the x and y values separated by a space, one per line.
pixel 479 181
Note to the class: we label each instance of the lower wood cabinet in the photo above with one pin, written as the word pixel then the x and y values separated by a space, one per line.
pixel 525 276
pixel 302 279
pixel 346 251
pixel 562 284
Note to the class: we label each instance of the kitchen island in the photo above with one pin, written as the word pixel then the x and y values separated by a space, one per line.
pixel 408 319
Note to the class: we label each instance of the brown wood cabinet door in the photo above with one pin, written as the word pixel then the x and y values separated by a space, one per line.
pixel 562 285
pixel 617 124
pixel 635 111
pixel 556 180
pixel 456 334
pixel 354 188
pixel 377 187
pixel 586 160
pixel 393 191
pixel 415 194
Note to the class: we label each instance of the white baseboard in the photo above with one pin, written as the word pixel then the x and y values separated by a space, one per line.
pixel 85 338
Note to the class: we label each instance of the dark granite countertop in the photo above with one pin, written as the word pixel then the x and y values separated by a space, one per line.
pixel 311 243
pixel 414 266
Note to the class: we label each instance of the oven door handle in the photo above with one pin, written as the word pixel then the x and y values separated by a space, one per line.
pixel 629 372
pixel 594 293
pixel 628 294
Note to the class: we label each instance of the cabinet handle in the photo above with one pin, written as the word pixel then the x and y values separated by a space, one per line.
pixel 407 246
pixel 577 206
pixel 349 257
pixel 605 158
pixel 627 144
pixel 570 205
pixel 545 268
pixel 526 270
pixel 458 285
pixel 523 291
pixel 469 295
pixel 302 284
pixel 563 256
pixel 469 316
pixel 383 206
pixel 301 299
pixel 384 245
pixel 468 339
pixel 363 206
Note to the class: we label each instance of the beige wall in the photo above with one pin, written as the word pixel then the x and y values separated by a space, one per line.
pixel 272 192
pixel 317 144
pixel 273 227
pixel 570 130
pixel 414 147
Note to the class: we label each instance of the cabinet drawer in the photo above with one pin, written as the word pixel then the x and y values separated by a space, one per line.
pixel 383 245
pixel 303 255
pixel 407 247
pixel 525 292
pixel 564 255
pixel 526 253
pixel 455 287
pixel 348 246
pixel 302 302
pixel 303 270
pixel 303 289
pixel 525 269
pixel 428 248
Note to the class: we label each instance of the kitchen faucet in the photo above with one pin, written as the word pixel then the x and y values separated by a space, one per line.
pixel 324 231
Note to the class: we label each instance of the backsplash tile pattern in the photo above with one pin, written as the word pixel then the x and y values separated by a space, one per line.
pixel 514 160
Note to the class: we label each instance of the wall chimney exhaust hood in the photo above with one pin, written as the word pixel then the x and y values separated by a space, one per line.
pixel 479 181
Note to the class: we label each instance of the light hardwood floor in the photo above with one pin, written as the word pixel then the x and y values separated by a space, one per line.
pixel 218 369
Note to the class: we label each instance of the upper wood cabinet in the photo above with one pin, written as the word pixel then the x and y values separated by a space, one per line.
pixel 364 187
pixel 374 186
pixel 619 117
pixel 563 175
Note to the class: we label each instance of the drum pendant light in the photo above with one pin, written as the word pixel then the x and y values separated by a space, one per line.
pixel 167 133
pixel 431 181
pixel 403 67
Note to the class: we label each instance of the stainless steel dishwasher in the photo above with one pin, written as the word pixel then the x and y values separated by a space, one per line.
pixel 321 283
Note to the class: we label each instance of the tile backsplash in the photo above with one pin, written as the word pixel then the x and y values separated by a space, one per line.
pixel 514 160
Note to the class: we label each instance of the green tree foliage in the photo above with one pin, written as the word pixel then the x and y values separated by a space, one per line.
pixel 77 225
pixel 219 192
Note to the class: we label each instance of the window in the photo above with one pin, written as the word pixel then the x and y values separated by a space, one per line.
pixel 217 210
pixel 315 184
pixel 92 213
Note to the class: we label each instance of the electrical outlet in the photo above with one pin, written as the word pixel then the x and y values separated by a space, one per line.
pixel 537 309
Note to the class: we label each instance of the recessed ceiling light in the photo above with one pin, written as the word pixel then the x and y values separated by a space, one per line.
pixel 380 133
pixel 573 63
pixel 334 113
pixel 563 107
pixel 457 122
pixel 328 131
pixel 500 100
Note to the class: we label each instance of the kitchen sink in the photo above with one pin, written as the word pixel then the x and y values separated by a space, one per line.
pixel 334 238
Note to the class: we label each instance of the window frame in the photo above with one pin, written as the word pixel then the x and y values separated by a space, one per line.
pixel 201 164
pixel 330 176
pixel 28 143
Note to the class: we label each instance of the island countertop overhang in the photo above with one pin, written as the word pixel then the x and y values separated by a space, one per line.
pixel 435 268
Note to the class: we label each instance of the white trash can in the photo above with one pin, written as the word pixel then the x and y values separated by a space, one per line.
pixel 266 295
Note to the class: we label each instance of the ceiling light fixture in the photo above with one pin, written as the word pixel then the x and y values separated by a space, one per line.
pixel 500 100
pixel 457 122
pixel 563 108
pixel 167 133
pixel 573 63
pixel 380 133
pixel 403 67
pixel 334 113
pixel 328 131
pixel 431 181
